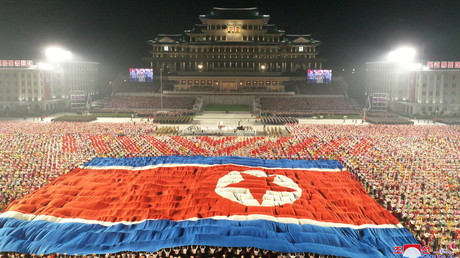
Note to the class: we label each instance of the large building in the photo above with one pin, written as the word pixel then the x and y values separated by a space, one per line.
pixel 415 89
pixel 30 87
pixel 233 51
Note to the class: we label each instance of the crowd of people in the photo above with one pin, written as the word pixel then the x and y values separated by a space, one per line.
pixel 149 102
pixel 389 120
pixel 304 104
pixel 193 251
pixel 413 171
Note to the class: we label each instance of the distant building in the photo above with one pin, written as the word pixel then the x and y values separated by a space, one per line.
pixel 414 89
pixel 26 86
pixel 233 50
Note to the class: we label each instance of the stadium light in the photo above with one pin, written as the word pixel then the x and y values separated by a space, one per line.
pixel 402 55
pixel 57 54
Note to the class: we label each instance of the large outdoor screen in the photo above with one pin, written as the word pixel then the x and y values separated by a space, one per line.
pixel 319 76
pixel 141 74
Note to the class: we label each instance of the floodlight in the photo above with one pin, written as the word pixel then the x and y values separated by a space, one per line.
pixel 57 54
pixel 402 55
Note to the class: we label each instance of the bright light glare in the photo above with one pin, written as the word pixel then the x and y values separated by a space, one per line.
pixel 45 66
pixel 402 55
pixel 56 54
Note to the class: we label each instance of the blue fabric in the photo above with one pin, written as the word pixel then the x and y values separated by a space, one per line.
pixel 41 237
pixel 254 162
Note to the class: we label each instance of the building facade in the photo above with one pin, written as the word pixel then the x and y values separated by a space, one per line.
pixel 415 89
pixel 37 88
pixel 233 50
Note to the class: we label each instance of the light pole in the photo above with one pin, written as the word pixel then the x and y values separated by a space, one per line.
pixel 161 89
pixel 364 115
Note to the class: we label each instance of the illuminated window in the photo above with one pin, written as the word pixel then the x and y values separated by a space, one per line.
pixel 166 48
pixel 301 49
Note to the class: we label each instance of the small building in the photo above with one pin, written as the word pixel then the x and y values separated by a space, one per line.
pixel 28 87
pixel 416 89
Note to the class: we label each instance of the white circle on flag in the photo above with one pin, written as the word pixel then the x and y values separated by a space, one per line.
pixel 244 196
pixel 412 252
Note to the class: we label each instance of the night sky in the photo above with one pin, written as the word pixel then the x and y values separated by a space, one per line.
pixel 114 32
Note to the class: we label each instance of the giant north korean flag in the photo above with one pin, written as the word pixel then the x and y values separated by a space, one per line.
pixel 110 205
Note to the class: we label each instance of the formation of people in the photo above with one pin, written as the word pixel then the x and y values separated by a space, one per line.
pixel 413 171
pixel 192 251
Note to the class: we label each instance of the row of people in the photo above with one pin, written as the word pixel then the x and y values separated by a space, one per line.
pixel 304 103
pixel 278 120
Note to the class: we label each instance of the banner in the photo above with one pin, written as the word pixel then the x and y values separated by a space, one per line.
pixel 146 204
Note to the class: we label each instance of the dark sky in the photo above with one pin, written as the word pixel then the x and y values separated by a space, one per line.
pixel 114 32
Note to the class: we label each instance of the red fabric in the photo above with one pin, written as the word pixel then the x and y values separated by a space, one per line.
pixel 182 192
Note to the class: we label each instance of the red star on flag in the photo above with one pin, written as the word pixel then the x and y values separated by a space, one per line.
pixel 258 186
